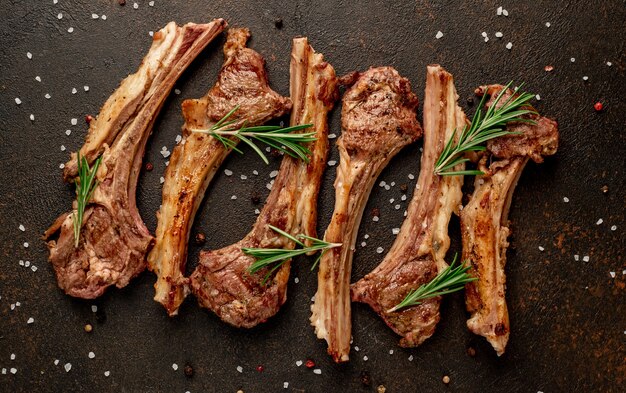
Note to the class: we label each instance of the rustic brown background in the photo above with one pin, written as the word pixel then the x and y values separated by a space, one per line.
pixel 568 317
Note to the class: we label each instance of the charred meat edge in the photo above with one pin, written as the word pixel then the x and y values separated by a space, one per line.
pixel 484 223
pixel 417 254
pixel 378 119
pixel 222 282
pixel 114 239
pixel 242 81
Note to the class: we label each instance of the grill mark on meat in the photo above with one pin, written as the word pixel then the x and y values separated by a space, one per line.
pixel 221 281
pixel 378 119
pixel 114 239
pixel 242 81
pixel 484 223
pixel 418 252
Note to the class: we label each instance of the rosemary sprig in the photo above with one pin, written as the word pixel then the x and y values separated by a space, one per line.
pixel 275 136
pixel 268 256
pixel 451 279
pixel 483 128
pixel 85 186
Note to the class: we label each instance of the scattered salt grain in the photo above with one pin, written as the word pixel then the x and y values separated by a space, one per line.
pixel 614 227
pixel 4 371
pixel 86 88
pixel 94 16
pixel 12 356
pixel 391 200
pixel 27 264
pixel 298 363
pixel 22 228
pixel 239 369
pixel 538 97
pixel 174 366
pixel 243 177
pixel 380 250
pixel 382 183
pixel 70 30
pixel 612 274
pixel 565 199
pixel 541 248
pixel 391 351
pixel 103 17
pixel 255 172
pixel 151 4
pixel 273 174
pixel 387 187
pixel 438 35
pixel 317 371
pixel 505 12
pixel 509 46
pixel 585 78
pixel 48 96
pixel 162 180
pixel 30 320
pixel 548 24
pixel 178 138
pixel 586 258
pixel 94 308
pixel 233 197
pixel 576 257
pixel 484 34
pixel 60 15
pixel 135 5
pixel 257 211
pixel 410 358
pixel 395 231
pixel 74 121
pixel 61 165
pixel 572 59
pixel 332 136
pixel 609 63
pixel 365 358
pixel 176 91
pixel 411 176
pixel 375 218
pixel 67 367
pixel 25 244
pixel 397 207
pixel 228 172
pixel 363 244
pixel 296 280
pixel 38 78
pixel 600 221
pixel 285 385
pixel 18 101
pixel 74 91
pixel 13 370
pixel 366 236
pixel 91 355
pixel 33 268
pixel 499 11
pixel 151 33
pixel 332 163
pixel 357 349
pixel 107 373
pixel 499 34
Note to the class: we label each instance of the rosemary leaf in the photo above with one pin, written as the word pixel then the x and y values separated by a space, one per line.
pixel 85 186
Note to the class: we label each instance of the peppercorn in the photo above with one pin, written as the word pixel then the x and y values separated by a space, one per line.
pixel 309 363
pixel 255 199
pixel 376 212
pixel 188 370
pixel 88 328
pixel 122 2
pixel 366 380
pixel 149 166
pixel 605 189
pixel 278 23
pixel 446 379
pixel 88 119
pixel 598 106
pixel 471 351
pixel 470 101
pixel 200 238
pixel 404 187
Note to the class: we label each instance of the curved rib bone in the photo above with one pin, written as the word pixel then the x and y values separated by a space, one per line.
pixel 242 81
pixel 114 239
pixel 418 252
pixel 378 119
pixel 484 224
pixel 221 281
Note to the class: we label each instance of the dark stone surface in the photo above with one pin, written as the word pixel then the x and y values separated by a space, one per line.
pixel 568 317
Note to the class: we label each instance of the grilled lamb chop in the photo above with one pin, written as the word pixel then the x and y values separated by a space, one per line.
pixel 195 160
pixel 484 220
pixel 221 281
pixel 378 119
pixel 114 239
pixel 418 252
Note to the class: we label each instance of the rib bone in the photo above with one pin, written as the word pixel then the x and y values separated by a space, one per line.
pixel 221 281
pixel 418 252
pixel 378 119
pixel 484 223
pixel 242 81
pixel 114 239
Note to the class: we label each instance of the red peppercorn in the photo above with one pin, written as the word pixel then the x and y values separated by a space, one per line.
pixel 149 166
pixel 309 363
pixel 598 106
pixel 88 118
pixel 259 368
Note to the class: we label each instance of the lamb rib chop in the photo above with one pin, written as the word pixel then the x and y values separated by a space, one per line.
pixel 378 119
pixel 114 239
pixel 484 223
pixel 242 81
pixel 418 252
pixel 221 281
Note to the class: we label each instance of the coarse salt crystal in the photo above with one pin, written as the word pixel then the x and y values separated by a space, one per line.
pixel 600 221
pixel 32 117
pixel 103 17
pixel 135 5
pixel 161 180
pixel 356 348
pixel 499 11
pixel 317 371
pixel 298 363
pixel 509 45
pixel 27 264
pixel 12 356
pixel 228 172
pixel 505 12
pixel 380 250
pixel 61 165
pixel 438 35
pixel 13 370
pixel 74 91
pixel 243 177
pixel 548 24
pixel 572 59
pixel 151 33
pixel 332 136
pixel 70 30
pixel 151 4
pixel 257 211
pixel 269 185
pixel 74 121
pixel 233 197
pixel 174 366
pixel 4 371
pixel 397 207
pixel 67 367
pixel 366 236
pixel 107 373
pixel 178 138
pixel 33 268
pixel 296 280
pixel 612 274
pixel 484 34
pixel 94 308
pixel 18 101
pixel 86 88
pixel 363 244
pixel 273 174
pixel 410 358
pixel 56 362
pixel 30 320
pixel 565 199
pixel 411 176
pixel 393 183
pixel 176 91
pixel 382 183
pixel 239 369
pixel 391 200
pixel 91 355
pixel 375 218
pixel 332 163
pixel 395 231
pixel 538 97
pixel 255 172
pixel 585 78
pixel 365 358
pixel 48 96
pixel 576 257
pixel 499 34
pixel 22 228
pixel 94 16
pixel 285 385
pixel 60 15
pixel 614 227
pixel 586 258
pixel 387 187
pixel 609 63
pixel 541 248
pixel 25 244
pixel 391 351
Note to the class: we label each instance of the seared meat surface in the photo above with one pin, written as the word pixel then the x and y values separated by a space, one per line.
pixel 222 282
pixel 114 239
pixel 378 119
pixel 417 254
pixel 195 160
pixel 484 224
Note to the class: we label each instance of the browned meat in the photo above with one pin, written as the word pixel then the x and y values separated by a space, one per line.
pixel 242 81
pixel 221 281
pixel 378 119
pixel 114 239
pixel 418 252
pixel 484 223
